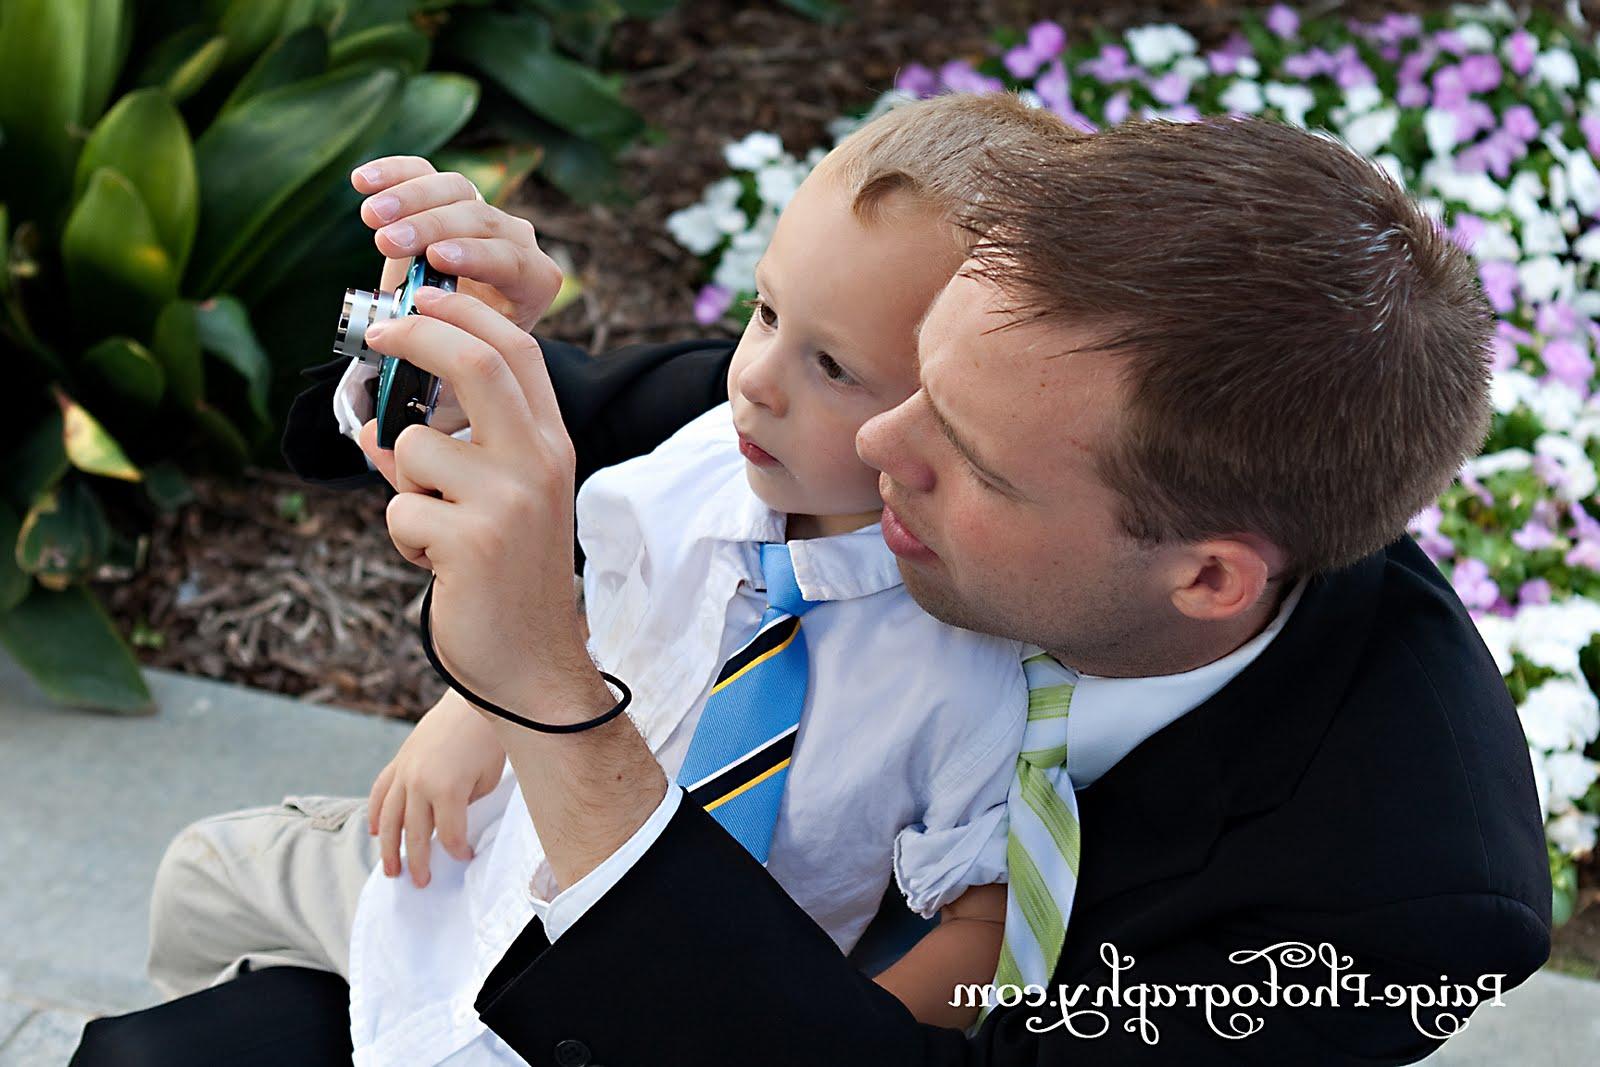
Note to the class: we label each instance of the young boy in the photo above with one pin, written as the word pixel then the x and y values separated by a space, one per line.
pixel 907 745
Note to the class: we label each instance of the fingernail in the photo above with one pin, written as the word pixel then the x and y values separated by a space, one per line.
pixel 401 233
pixel 376 330
pixel 386 207
pixel 449 251
pixel 427 294
pixel 371 172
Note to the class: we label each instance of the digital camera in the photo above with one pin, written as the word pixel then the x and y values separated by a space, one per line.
pixel 406 394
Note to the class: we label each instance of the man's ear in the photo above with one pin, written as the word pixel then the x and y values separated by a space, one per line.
pixel 1226 576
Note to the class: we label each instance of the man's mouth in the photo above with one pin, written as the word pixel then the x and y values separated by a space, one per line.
pixel 901 541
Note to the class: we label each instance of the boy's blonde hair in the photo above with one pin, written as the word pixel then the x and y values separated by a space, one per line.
pixel 936 151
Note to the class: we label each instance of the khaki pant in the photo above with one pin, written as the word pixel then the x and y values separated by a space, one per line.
pixel 270 886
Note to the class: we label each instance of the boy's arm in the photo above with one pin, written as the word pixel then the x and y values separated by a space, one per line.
pixel 963 949
pixel 615 407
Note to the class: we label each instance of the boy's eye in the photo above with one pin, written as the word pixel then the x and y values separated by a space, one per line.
pixel 764 312
pixel 831 369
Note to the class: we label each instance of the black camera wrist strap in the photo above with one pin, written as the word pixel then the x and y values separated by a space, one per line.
pixel 542 727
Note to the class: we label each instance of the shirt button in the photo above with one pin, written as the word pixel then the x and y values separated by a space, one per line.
pixel 571 1053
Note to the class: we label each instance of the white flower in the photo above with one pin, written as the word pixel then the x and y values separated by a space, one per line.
pixel 815 156
pixel 1242 96
pixel 1557 406
pixel 1507 389
pixel 1497 632
pixel 1292 101
pixel 1541 233
pixel 1247 67
pixel 1362 98
pixel 1556 68
pixel 1544 278
pixel 695 228
pixel 1578 479
pixel 1372 131
pixel 1193 67
pixel 776 184
pixel 1560 714
pixel 1524 194
pixel 1031 98
pixel 1571 775
pixel 1479 192
pixel 1541 782
pixel 1507 459
pixel 1475 36
pixel 756 149
pixel 723 195
pixel 1153 46
pixel 1494 11
pixel 1573 832
pixel 1552 635
pixel 1583 182
pixel 1440 126
pixel 1587 247
pixel 1391 163
pixel 1496 242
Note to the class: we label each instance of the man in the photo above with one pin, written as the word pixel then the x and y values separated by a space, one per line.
pixel 1173 417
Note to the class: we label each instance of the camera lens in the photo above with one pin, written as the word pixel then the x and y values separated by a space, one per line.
pixel 361 309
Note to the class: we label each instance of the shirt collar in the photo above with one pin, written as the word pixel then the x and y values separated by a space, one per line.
pixel 1111 716
pixel 841 567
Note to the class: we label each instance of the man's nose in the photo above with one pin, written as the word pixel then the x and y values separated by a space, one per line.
pixel 887 442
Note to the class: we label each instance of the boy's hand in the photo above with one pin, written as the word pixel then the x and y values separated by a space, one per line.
pixel 451 759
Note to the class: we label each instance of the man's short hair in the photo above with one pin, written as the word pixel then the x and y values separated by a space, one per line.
pixel 1306 352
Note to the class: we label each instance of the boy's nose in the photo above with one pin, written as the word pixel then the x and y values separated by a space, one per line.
pixel 760 385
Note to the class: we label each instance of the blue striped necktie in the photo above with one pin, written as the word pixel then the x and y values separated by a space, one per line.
pixel 738 758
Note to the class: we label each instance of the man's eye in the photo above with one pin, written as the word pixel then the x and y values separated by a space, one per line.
pixel 831 369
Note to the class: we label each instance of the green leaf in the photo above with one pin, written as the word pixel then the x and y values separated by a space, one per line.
pixel 646 9
pixel 497 172
pixel 70 647
pixel 118 271
pixel 14 581
pixel 176 346
pixel 224 331
pixel 261 165
pixel 43 78
pixel 110 33
pixel 514 51
pixel 64 536
pixel 249 26
pixel 38 464
pixel 144 139
pixel 398 44
pixel 191 75
pixel 166 487
pixel 89 447
pixel 217 426
pixel 295 57
pixel 128 368
pixel 825 11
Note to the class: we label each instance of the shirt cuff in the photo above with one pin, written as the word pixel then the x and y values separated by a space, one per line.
pixel 352 404
pixel 569 905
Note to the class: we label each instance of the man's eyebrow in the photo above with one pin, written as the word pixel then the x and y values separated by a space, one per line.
pixel 962 447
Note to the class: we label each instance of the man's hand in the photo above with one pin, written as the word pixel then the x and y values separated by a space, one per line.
pixel 493 519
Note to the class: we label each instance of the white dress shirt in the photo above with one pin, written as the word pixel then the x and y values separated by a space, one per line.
pixel 903 757
pixel 353 407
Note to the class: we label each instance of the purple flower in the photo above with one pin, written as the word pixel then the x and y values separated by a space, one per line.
pixel 1052 87
pixel 1400 27
pixel 1047 39
pixel 1523 46
pixel 1110 66
pixel 1353 73
pixel 1116 109
pixel 959 76
pixel 1450 41
pixel 1424 526
pixel 1534 591
pixel 1556 318
pixel 1308 65
pixel 1412 94
pixel 917 79
pixel 1466 230
pixel 1503 351
pixel 713 301
pixel 1481 73
pixel 1520 123
pixel 1590 125
pixel 1170 89
pixel 1533 537
pixel 1499 284
pixel 1568 363
pixel 1473 584
pixel 1022 62
pixel 1449 89
pixel 1283 21
pixel 1586 553
pixel 1225 60
pixel 1583 522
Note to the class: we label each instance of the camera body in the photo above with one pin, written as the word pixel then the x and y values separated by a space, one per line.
pixel 406 394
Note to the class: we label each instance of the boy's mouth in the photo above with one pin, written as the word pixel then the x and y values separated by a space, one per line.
pixel 755 453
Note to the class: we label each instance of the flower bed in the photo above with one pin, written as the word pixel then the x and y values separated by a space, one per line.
pixel 1492 118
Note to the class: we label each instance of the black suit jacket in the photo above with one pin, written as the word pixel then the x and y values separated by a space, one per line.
pixel 1364 783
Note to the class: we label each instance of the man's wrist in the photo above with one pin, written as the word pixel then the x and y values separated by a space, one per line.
pixel 559 696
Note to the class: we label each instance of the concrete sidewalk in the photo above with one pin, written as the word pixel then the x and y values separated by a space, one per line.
pixel 91 801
